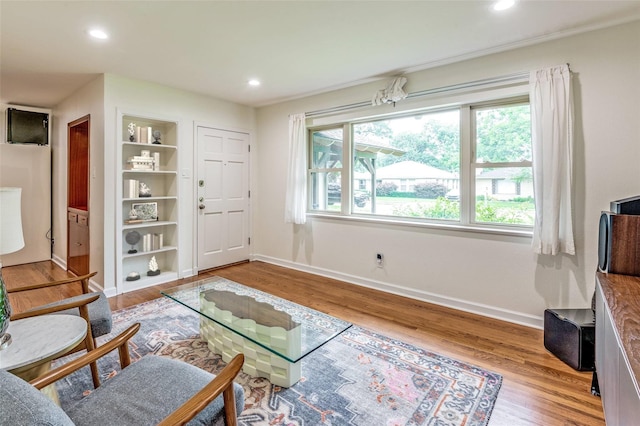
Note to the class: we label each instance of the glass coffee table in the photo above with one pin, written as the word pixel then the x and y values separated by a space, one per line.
pixel 273 334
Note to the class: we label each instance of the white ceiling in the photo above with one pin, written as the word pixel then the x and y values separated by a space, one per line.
pixel 295 48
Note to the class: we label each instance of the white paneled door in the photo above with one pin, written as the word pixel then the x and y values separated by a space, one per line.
pixel 223 197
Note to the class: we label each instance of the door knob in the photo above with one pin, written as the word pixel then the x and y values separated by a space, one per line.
pixel 201 206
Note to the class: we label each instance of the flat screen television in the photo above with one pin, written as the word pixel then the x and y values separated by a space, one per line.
pixel 27 127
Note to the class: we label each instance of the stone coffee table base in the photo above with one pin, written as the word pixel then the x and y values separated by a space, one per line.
pixel 259 362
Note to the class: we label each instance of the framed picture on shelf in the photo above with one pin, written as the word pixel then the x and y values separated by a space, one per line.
pixel 143 212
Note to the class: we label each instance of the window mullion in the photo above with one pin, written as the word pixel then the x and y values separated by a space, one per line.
pixel 505 165
pixel 347 169
pixel 467 190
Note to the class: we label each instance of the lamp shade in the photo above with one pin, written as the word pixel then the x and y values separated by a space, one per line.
pixel 11 238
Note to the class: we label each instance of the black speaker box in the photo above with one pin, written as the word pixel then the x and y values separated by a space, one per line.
pixel 619 244
pixel 569 334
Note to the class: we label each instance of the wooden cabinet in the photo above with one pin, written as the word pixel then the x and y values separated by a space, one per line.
pixel 78 249
pixel 78 241
pixel 147 213
pixel 618 347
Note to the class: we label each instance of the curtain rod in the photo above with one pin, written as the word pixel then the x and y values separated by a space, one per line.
pixel 503 79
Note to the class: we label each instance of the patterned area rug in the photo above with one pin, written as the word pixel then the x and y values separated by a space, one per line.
pixel 359 378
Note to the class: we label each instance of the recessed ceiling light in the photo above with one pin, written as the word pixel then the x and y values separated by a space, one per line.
pixel 253 82
pixel 99 34
pixel 503 4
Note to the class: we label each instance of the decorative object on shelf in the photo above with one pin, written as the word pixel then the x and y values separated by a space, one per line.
pixel 144 134
pixel 144 190
pixel 146 211
pixel 131 188
pixel 11 240
pixel 140 162
pixel 157 135
pixel 151 242
pixel 132 238
pixel 132 129
pixel 133 214
pixel 153 267
pixel 156 161
pixel 133 276
pixel 145 153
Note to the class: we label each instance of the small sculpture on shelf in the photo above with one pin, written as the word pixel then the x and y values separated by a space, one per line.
pixel 144 190
pixel 132 130
pixel 156 137
pixel 133 214
pixel 133 276
pixel 153 267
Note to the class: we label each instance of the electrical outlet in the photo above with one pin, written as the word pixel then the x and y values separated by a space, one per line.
pixel 379 260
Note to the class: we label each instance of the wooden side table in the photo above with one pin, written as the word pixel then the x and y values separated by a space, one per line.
pixel 37 341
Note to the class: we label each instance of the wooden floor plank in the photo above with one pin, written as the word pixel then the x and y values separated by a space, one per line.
pixel 538 389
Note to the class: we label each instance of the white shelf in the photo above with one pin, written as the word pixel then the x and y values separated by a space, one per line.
pixel 148 145
pixel 148 224
pixel 152 252
pixel 164 187
pixel 143 199
pixel 146 281
pixel 151 172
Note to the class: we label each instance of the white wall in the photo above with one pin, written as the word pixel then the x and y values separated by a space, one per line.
pixel 189 109
pixel 102 98
pixel 489 274
pixel 88 100
pixel 28 166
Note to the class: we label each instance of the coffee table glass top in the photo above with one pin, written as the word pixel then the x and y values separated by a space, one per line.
pixel 282 327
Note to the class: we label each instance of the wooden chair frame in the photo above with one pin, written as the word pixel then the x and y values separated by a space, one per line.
pixel 89 343
pixel 221 384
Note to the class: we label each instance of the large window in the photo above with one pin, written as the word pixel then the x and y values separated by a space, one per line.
pixel 469 165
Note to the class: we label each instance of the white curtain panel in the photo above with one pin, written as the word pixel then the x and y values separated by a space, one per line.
pixel 295 210
pixel 552 139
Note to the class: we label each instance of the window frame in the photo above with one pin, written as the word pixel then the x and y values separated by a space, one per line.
pixel 474 165
pixel 467 173
pixel 342 170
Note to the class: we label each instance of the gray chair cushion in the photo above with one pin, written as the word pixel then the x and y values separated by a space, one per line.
pixel 99 312
pixel 146 392
pixel 23 405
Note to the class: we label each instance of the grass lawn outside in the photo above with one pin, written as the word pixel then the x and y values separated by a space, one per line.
pixel 490 211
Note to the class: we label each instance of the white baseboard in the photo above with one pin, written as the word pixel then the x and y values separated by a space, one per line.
pixel 92 284
pixel 59 261
pixel 462 305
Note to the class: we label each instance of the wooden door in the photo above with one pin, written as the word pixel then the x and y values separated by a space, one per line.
pixel 223 197
pixel 78 196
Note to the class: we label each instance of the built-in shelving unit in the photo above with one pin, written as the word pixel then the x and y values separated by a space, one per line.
pixel 147 200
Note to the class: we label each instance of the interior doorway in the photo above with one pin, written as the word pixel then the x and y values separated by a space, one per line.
pixel 78 195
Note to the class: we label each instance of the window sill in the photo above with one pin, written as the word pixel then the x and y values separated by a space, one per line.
pixel 482 229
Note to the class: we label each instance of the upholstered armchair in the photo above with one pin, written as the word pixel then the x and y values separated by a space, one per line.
pixel 152 390
pixel 92 306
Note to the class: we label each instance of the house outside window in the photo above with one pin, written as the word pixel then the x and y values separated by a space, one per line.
pixel 409 167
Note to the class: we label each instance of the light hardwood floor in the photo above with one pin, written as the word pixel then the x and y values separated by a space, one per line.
pixel 538 389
